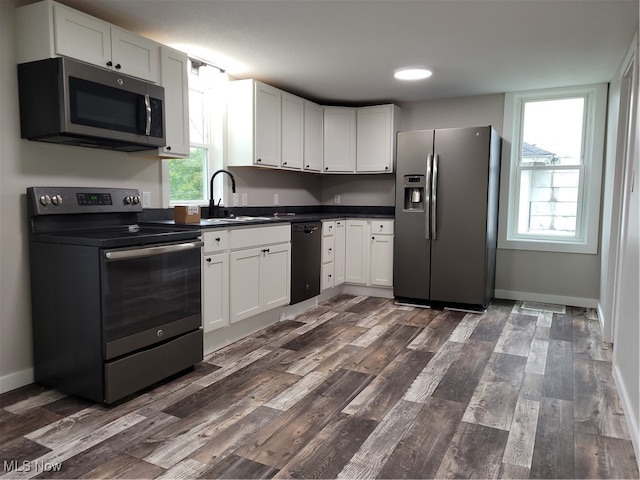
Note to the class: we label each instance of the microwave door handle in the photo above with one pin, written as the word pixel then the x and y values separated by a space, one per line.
pixel 147 106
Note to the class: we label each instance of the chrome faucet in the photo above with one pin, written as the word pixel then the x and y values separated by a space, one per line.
pixel 213 208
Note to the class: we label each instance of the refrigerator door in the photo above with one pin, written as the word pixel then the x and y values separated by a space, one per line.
pixel 412 254
pixel 459 252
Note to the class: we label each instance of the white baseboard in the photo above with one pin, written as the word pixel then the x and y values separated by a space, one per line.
pixel 548 298
pixel 629 412
pixel 16 380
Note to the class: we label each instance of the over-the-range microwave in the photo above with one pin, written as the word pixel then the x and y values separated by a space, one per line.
pixel 69 102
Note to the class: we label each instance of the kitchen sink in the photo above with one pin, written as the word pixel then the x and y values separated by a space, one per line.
pixel 244 218
pixel 227 220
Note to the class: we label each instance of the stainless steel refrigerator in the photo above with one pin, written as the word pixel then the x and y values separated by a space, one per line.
pixel 446 217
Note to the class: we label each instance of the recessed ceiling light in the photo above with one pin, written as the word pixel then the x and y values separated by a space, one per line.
pixel 412 73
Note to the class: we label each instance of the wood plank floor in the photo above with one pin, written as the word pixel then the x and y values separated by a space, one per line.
pixel 356 387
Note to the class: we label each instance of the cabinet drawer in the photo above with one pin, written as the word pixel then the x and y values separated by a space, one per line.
pixel 215 240
pixel 328 249
pixel 327 276
pixel 249 237
pixel 382 227
pixel 328 227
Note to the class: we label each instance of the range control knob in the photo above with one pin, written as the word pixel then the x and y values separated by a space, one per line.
pixel 45 200
pixel 56 200
pixel 136 199
pixel 128 200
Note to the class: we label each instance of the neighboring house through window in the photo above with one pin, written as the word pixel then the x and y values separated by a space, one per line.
pixel 554 170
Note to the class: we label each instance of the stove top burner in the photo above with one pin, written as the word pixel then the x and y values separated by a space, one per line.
pixel 123 236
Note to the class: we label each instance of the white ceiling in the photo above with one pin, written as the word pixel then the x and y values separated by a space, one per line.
pixel 345 51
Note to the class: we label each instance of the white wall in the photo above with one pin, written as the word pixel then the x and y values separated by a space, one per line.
pixel 623 277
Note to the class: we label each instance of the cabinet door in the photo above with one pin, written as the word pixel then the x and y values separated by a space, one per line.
pixel 381 260
pixel 137 56
pixel 339 152
pixel 292 131
pixel 244 274
pixel 173 67
pixel 81 36
pixel 275 275
pixel 357 251
pixel 313 136
pixel 375 134
pixel 267 125
pixel 339 252
pixel 215 291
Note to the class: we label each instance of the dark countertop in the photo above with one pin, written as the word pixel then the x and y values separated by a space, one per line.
pixel 255 216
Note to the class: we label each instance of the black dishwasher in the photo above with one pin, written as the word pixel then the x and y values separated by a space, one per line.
pixel 306 250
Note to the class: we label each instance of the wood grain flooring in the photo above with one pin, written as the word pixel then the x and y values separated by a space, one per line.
pixel 355 387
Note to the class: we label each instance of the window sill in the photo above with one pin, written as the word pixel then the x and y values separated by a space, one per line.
pixel 548 246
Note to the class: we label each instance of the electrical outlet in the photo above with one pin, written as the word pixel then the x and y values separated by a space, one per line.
pixel 146 199
pixel 276 199
pixel 336 199
pixel 245 199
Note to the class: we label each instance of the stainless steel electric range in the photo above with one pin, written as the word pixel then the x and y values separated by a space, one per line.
pixel 116 307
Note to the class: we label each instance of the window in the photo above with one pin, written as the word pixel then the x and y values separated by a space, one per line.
pixel 554 172
pixel 189 178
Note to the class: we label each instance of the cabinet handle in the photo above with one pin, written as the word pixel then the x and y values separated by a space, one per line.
pixel 329 275
pixel 265 250
pixel 373 238
pixel 330 249
pixel 259 160
pixel 109 63
pixel 168 147
pixel 326 169
pixel 307 166
pixel 118 67
pixel 386 168
pixel 208 259
pixel 217 239
pixel 284 163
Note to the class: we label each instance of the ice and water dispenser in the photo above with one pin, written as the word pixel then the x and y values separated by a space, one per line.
pixel 414 193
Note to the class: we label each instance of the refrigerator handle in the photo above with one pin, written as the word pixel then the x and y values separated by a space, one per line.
pixel 434 197
pixel 427 199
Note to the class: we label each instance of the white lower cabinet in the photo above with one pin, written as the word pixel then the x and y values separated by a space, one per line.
pixel 245 271
pixel 215 304
pixel 333 253
pixel 215 280
pixel 369 252
pixel 259 269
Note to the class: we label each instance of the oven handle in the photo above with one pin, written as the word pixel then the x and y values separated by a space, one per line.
pixel 116 255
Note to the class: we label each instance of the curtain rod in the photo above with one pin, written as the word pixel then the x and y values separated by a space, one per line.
pixel 198 62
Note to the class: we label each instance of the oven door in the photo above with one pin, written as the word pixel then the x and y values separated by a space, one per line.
pixel 150 295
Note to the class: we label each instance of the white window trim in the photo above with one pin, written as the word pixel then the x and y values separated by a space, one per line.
pixel 588 221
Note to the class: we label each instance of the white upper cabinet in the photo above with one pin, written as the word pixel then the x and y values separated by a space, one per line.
pixel 313 121
pixel 174 79
pixel 267 124
pixel 376 128
pixel 339 140
pixel 292 131
pixel 253 124
pixel 48 29
pixel 136 56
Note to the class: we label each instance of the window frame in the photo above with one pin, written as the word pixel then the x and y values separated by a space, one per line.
pixel 588 212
